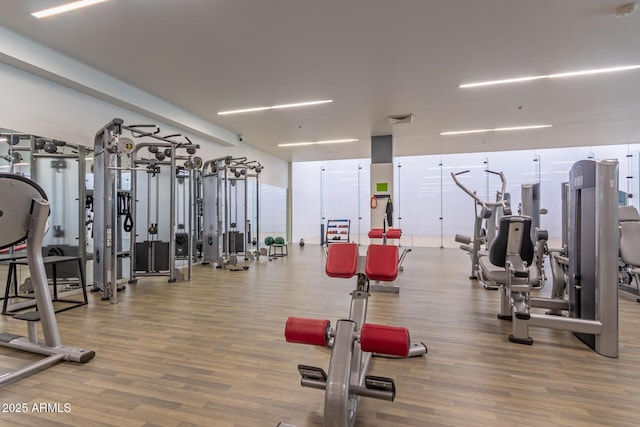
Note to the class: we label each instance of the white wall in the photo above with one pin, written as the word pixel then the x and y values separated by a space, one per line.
pixel 424 190
pixel 34 105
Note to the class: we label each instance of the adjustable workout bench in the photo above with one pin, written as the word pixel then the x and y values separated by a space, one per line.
pixel 353 341
pixel 389 234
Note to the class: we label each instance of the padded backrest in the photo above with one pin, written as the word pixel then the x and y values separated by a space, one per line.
pixel 630 243
pixel 382 262
pixel 628 213
pixel 342 260
pixel 500 245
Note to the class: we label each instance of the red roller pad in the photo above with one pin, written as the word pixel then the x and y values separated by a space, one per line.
pixel 391 340
pixel 15 248
pixel 306 331
pixel 376 233
pixel 342 260
pixel 394 233
pixel 382 263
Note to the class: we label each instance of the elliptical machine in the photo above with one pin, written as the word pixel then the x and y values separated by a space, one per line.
pixel 485 212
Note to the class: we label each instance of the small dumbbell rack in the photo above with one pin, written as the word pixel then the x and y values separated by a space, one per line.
pixel 338 231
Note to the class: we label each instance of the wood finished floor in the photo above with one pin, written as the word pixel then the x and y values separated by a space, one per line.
pixel 211 352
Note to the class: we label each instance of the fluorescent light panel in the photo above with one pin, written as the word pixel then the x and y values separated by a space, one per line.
pixel 275 107
pixel 336 141
pixel 552 76
pixel 329 141
pixel 460 132
pixel 296 144
pixel 499 82
pixel 65 8
pixel 502 129
pixel 521 128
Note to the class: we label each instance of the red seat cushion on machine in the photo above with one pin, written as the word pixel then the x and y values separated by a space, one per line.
pixel 306 331
pixel 342 260
pixel 382 263
pixel 376 233
pixel 391 340
pixel 394 233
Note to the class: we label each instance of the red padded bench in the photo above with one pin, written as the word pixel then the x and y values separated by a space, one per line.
pixel 342 260
pixel 382 263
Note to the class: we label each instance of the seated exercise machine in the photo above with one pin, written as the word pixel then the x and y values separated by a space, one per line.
pixel 27 219
pixel 353 341
pixel 486 212
pixel 497 265
pixel 629 250
pixel 530 206
pixel 388 234
pixel 592 308
pixel 492 267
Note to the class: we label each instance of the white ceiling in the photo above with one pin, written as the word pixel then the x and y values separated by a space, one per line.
pixel 374 58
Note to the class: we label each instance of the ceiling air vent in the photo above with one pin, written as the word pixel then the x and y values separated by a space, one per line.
pixel 400 119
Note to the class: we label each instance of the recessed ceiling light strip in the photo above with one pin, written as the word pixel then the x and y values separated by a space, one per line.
pixel 521 128
pixel 301 104
pixel 502 129
pixel 65 8
pixel 598 71
pixel 552 76
pixel 460 132
pixel 499 82
pixel 328 141
pixel 336 141
pixel 275 107
pixel 296 144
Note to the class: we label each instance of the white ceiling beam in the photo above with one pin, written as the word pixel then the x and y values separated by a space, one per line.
pixel 21 52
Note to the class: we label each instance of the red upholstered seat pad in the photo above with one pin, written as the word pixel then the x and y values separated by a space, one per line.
pixel 382 262
pixel 342 260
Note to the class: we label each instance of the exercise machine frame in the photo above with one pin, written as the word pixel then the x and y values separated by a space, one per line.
pixel 353 341
pixel 29 200
pixel 217 208
pixel 592 271
pixel 114 155
pixel 485 211
pixel 41 149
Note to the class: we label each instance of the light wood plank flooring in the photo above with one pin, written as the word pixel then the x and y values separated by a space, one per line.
pixel 211 352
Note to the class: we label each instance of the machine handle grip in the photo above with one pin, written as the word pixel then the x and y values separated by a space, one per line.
pixel 465 189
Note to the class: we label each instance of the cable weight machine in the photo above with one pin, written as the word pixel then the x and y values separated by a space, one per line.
pixel 119 211
pixel 227 227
